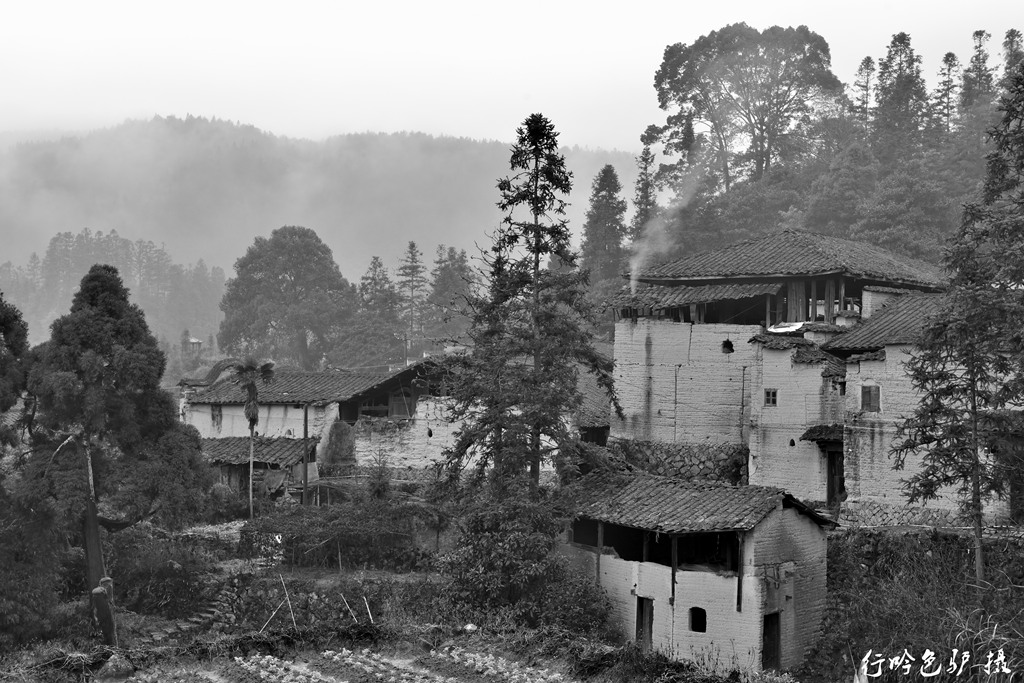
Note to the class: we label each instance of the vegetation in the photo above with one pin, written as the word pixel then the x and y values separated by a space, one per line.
pixel 969 366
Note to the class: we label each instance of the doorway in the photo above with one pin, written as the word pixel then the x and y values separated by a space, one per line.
pixel 644 623
pixel 771 643
pixel 835 477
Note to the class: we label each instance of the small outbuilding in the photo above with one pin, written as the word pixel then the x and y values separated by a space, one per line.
pixel 732 577
pixel 274 459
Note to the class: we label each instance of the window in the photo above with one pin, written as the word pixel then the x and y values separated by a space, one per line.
pixel 771 397
pixel 870 399
pixel 698 620
pixel 842 388
pixel 216 417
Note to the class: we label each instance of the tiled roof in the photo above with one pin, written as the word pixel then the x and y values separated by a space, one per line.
pixel 780 342
pixel 595 408
pixel 793 252
pixel 869 355
pixel 832 432
pixel 658 296
pixel 234 450
pixel 900 321
pixel 675 506
pixel 295 386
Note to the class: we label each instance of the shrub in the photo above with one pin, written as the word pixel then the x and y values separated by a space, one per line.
pixel 503 566
pixel 155 572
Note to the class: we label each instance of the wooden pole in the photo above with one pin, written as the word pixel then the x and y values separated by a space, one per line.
pixel 675 565
pixel 305 454
pixel 600 549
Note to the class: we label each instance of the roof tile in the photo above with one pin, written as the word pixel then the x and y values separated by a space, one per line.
pixel 658 296
pixel 900 321
pixel 234 450
pixel 294 386
pixel 794 252
pixel 676 506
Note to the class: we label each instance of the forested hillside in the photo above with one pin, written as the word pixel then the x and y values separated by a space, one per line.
pixel 767 137
pixel 205 188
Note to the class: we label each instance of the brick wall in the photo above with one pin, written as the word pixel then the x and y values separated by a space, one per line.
pixel 676 385
pixel 777 455
pixel 871 302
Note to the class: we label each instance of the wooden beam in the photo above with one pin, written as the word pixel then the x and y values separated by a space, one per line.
pixel 830 300
pixel 600 549
pixel 767 310
pixel 813 308
pixel 842 294
pixel 739 572
pixel 675 564
pixel 647 547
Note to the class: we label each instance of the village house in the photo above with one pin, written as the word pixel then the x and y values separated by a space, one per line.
pixel 783 352
pixel 732 577
pixel 344 416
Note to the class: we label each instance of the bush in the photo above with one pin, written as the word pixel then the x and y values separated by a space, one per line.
pixel 155 572
pixel 364 533
pixel 503 566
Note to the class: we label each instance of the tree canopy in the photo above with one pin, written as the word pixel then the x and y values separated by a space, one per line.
pixel 288 299
pixel 602 253
pixel 531 329
pixel 747 86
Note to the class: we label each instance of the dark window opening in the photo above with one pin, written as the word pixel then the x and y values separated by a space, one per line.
pixel 870 399
pixel 718 551
pixel 376 406
pixel 842 388
pixel 727 346
pixel 698 620
pixel 771 397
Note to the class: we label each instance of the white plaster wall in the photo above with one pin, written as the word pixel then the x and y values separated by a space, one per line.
pixel 800 468
pixel 790 561
pixel 732 639
pixel 417 444
pixel 274 420
pixel 868 437
pixel 676 385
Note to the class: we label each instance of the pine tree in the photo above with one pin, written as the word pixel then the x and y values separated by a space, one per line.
pixel 645 194
pixel 862 89
pixel 969 367
pixel 945 96
pixel 530 328
pixel 978 84
pixel 1013 54
pixel 602 254
pixel 412 293
pixel 901 102
pixel 451 284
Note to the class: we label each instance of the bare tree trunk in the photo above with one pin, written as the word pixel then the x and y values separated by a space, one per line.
pixel 976 509
pixel 252 443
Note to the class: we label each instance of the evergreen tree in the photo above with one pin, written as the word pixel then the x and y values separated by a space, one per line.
pixel 862 89
pixel 645 194
pixel 412 285
pixel 530 328
pixel 376 336
pixel 901 102
pixel 838 197
pixel 451 284
pixel 602 254
pixel 969 367
pixel 1013 54
pixel 108 429
pixel 978 84
pixel 945 97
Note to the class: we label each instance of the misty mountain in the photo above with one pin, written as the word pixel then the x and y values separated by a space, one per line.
pixel 206 188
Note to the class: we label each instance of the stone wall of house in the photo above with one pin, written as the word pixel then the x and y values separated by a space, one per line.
pixel 723 462
pixel 732 639
pixel 676 384
pixel 274 420
pixel 410 443
pixel 790 559
pixel 777 455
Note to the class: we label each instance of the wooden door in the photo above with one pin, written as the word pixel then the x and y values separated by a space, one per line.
pixel 771 643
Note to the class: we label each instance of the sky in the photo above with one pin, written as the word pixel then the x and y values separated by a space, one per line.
pixel 311 69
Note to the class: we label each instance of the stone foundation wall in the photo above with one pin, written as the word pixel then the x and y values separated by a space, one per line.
pixel 871 513
pixel 723 462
